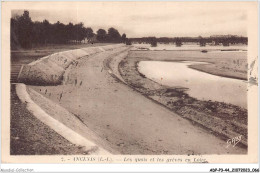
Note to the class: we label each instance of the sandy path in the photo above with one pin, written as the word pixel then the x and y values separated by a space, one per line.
pixel 127 121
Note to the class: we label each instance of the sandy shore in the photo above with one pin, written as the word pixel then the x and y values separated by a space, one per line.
pixel 221 119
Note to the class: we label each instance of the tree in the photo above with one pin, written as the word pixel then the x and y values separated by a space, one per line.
pixel 202 41
pixel 70 32
pixel 14 40
pixel 153 42
pixel 113 35
pixel 101 35
pixel 79 31
pixel 225 42
pixel 89 33
pixel 59 34
pixel 24 28
pixel 178 42
pixel 46 31
pixel 128 42
pixel 25 33
pixel 37 32
pixel 123 38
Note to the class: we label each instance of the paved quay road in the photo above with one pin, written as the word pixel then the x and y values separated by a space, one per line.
pixel 126 120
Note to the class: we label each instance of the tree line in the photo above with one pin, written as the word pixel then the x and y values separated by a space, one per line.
pixel 224 40
pixel 26 33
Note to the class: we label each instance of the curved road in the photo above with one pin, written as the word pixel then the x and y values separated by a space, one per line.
pixel 126 120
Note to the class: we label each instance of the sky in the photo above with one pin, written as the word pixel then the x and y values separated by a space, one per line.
pixel 141 19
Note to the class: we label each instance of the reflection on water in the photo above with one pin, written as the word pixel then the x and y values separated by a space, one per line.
pixel 201 85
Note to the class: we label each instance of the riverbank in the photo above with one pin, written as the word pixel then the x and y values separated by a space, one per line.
pixel 221 119
pixel 122 119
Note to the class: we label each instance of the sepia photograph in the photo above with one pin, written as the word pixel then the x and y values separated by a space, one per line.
pixel 129 82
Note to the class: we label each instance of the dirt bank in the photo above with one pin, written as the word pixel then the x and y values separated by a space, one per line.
pixel 224 120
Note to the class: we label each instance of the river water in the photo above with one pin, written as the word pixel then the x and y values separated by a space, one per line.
pixel 201 85
pixel 190 47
